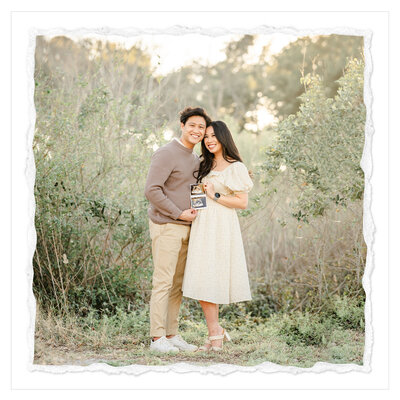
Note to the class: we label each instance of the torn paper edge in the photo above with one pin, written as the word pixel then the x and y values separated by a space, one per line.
pixel 368 224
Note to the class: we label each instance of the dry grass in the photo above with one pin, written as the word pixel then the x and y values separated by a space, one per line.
pixel 69 341
pixel 299 264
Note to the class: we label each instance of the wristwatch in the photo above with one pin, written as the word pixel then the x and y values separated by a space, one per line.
pixel 216 196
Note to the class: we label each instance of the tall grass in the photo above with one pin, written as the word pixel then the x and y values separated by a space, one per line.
pixel 299 266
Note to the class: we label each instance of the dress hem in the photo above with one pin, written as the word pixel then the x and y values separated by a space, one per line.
pixel 214 302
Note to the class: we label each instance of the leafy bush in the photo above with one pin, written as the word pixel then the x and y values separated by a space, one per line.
pixel 298 328
pixel 346 312
pixel 320 147
pixel 91 146
pixel 316 329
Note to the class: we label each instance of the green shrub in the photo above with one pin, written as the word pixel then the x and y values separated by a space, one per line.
pixel 92 142
pixel 315 328
pixel 306 329
pixel 345 312
pixel 319 148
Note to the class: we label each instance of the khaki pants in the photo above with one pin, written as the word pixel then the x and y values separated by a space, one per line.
pixel 169 245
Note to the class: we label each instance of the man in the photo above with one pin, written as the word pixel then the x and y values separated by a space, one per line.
pixel 168 191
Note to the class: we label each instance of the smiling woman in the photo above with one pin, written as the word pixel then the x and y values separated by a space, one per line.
pixel 216 271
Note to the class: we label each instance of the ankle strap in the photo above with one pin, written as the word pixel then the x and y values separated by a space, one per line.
pixel 216 337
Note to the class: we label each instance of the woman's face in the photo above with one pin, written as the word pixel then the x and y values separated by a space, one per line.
pixel 211 142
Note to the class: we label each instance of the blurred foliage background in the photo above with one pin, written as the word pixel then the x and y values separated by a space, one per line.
pixel 102 110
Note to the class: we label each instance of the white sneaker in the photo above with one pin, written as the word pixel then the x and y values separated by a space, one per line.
pixel 178 342
pixel 163 345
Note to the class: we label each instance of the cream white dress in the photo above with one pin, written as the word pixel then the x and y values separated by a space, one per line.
pixel 216 268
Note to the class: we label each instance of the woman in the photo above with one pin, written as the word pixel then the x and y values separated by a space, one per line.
pixel 216 271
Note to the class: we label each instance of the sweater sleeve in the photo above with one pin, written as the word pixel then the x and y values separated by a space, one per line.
pixel 161 166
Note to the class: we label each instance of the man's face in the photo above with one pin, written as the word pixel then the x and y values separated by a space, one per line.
pixel 193 131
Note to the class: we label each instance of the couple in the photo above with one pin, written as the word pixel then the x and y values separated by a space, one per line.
pixel 209 266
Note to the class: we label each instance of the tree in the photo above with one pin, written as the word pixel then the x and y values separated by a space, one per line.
pixel 320 147
pixel 228 88
pixel 325 56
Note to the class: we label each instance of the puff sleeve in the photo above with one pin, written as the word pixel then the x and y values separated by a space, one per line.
pixel 238 179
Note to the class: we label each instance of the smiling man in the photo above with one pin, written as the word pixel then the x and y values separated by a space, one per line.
pixel 170 216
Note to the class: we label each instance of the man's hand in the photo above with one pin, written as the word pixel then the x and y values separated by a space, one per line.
pixel 188 215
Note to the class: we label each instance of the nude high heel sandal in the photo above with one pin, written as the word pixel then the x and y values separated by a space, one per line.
pixel 225 338
pixel 206 346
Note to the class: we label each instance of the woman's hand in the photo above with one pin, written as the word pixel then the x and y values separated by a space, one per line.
pixel 238 200
pixel 209 188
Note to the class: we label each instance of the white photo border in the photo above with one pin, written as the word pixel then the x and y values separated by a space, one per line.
pixel 24 122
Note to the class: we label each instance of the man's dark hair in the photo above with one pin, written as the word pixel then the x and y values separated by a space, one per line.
pixel 192 111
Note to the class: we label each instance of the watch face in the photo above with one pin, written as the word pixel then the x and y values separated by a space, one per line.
pixel 217 195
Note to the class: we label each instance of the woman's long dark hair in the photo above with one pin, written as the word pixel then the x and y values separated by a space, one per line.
pixel 229 150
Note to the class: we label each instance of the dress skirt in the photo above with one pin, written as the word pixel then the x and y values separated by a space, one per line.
pixel 216 269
